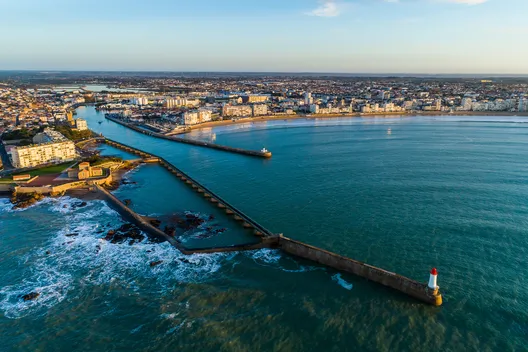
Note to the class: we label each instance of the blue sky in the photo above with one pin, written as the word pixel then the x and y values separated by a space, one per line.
pixel 356 36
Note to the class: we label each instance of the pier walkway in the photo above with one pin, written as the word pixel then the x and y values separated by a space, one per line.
pixel 268 239
pixel 260 154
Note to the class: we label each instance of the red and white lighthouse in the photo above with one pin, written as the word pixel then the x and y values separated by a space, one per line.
pixel 432 280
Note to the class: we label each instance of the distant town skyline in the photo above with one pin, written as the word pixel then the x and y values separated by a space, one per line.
pixel 334 36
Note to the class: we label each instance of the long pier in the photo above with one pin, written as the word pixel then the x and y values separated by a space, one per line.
pixel 260 154
pixel 268 239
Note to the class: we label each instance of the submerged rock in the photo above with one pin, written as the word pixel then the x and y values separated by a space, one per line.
pixel 72 234
pixel 153 264
pixel 31 296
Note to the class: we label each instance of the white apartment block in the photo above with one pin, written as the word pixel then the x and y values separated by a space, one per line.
pixel 34 155
pixel 259 109
pixel 81 124
pixel 51 147
pixel 237 110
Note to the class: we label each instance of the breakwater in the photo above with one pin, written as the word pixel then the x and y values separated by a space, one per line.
pixel 403 284
pixel 408 286
pixel 260 154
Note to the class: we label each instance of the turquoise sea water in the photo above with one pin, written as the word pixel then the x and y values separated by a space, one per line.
pixel 448 192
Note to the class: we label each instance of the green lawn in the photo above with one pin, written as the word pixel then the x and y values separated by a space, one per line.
pixel 55 169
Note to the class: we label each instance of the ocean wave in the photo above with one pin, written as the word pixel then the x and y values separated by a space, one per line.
pixel 341 282
pixel 5 205
pixel 268 256
pixel 77 255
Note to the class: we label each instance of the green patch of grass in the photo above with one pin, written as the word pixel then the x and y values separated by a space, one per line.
pixel 49 170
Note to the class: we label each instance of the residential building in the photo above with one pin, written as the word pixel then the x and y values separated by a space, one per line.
pixel 254 98
pixel 259 109
pixel 38 154
pixel 237 110
pixel 81 125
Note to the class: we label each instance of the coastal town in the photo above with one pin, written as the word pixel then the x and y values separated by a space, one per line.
pixel 35 109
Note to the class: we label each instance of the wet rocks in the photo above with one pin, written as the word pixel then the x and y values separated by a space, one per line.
pixel 170 230
pixel 24 200
pixel 126 233
pixel 155 222
pixel 153 264
pixel 127 182
pixel 30 296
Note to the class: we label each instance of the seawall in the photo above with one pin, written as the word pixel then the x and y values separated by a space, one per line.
pixel 193 142
pixel 403 284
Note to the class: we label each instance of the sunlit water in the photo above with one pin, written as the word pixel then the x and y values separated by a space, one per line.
pixel 444 192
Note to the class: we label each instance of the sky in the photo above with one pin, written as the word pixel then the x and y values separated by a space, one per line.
pixel 348 36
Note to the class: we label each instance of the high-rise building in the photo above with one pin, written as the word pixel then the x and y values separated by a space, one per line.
pixel 308 100
pixel 52 147
pixel 522 104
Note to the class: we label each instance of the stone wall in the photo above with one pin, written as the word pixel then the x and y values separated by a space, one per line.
pixel 410 287
pixel 136 219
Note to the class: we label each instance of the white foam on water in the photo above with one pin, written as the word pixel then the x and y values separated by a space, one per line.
pixel 341 282
pixel 5 205
pixel 52 285
pixel 267 256
pixel 136 330
pixel 86 258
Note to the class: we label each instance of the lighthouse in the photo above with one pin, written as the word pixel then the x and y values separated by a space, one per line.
pixel 432 280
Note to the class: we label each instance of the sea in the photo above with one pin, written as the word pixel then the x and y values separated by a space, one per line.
pixel 403 193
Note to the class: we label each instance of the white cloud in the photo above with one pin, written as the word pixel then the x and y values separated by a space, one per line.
pixel 326 8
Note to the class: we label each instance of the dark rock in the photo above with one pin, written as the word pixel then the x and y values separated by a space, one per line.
pixel 31 296
pixel 127 232
pixel 155 222
pixel 72 234
pixel 211 217
pixel 127 202
pixel 48 252
pixel 170 230
pixel 24 200
pixel 186 261
pixel 82 204
pixel 153 264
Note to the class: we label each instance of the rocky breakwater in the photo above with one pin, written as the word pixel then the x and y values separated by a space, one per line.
pixel 127 233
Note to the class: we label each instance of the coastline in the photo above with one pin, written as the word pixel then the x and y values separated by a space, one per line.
pixel 266 118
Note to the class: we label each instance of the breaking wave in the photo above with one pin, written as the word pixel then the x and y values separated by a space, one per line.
pixel 76 255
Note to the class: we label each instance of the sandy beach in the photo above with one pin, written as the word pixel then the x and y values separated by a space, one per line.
pixel 355 115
